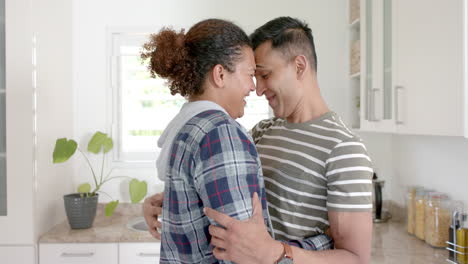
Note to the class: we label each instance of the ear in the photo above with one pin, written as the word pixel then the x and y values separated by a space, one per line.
pixel 219 75
pixel 302 64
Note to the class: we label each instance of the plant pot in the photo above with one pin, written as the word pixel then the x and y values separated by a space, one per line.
pixel 81 211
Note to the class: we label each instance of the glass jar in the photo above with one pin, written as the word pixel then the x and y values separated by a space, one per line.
pixel 462 241
pixel 419 207
pixel 437 215
pixel 410 207
pixel 456 211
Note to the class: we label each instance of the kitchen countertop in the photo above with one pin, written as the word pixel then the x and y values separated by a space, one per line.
pixel 111 229
pixel 390 242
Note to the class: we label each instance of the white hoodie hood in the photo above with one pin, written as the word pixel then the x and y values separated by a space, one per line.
pixel 166 141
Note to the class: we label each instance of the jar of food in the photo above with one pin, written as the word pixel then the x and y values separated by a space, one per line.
pixel 419 206
pixel 438 217
pixel 410 206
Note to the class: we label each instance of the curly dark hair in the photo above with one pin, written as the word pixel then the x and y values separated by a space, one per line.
pixel 185 59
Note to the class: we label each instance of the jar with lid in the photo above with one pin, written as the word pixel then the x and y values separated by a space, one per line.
pixel 437 215
pixel 419 207
pixel 410 206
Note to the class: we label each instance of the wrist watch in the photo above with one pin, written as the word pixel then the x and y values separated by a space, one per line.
pixel 286 256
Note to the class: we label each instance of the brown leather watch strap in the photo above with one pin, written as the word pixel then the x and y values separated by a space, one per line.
pixel 287 253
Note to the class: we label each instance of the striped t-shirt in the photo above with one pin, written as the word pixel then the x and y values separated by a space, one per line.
pixel 310 168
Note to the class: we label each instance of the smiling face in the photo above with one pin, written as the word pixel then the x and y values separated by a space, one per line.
pixel 277 80
pixel 239 84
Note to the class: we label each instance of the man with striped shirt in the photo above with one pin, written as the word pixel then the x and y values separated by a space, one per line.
pixel 317 172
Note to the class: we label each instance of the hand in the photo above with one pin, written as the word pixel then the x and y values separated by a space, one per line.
pixel 152 208
pixel 243 241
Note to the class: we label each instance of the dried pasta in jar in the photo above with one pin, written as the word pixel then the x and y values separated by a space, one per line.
pixel 419 219
pixel 437 224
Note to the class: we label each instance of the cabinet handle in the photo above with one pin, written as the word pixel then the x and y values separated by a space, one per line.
pixel 148 255
pixel 372 108
pixel 368 104
pixel 397 111
pixel 77 255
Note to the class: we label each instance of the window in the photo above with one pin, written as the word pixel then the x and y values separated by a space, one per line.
pixel 143 106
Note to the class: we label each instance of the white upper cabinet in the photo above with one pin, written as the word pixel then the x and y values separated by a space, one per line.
pixel 430 50
pixel 377 112
pixel 413 74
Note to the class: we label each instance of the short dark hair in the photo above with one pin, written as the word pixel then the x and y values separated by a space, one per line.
pixel 289 35
pixel 185 59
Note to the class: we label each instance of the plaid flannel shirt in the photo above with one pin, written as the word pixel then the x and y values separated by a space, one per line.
pixel 213 164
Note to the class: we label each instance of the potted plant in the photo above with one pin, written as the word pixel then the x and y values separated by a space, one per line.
pixel 81 207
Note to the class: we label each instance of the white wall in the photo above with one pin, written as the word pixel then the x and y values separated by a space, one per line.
pixel 439 163
pixel 54 108
pixel 92 19
pixel 434 162
pixel 380 149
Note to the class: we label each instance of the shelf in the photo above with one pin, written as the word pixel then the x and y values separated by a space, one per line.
pixel 355 23
pixel 355 75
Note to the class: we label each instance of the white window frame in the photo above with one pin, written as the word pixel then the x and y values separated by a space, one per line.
pixel 119 159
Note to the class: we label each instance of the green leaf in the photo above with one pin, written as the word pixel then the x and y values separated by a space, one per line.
pixel 108 144
pixel 98 141
pixel 110 207
pixel 63 150
pixel 84 188
pixel 138 190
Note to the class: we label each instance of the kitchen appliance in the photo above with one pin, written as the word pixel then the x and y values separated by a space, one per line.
pixel 379 215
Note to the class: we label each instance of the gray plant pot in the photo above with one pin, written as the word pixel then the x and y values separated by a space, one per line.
pixel 81 211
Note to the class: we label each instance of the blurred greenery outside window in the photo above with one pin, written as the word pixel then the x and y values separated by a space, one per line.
pixel 143 106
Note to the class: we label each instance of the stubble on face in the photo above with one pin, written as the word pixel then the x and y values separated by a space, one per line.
pixel 274 77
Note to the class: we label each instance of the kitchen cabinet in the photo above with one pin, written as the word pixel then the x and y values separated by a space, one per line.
pixel 3 196
pixel 356 46
pixel 377 70
pixel 430 81
pixel 413 73
pixel 17 254
pixel 17 224
pixel 34 120
pixel 89 253
pixel 376 66
pixel 112 238
pixel 139 253
pixel 371 86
